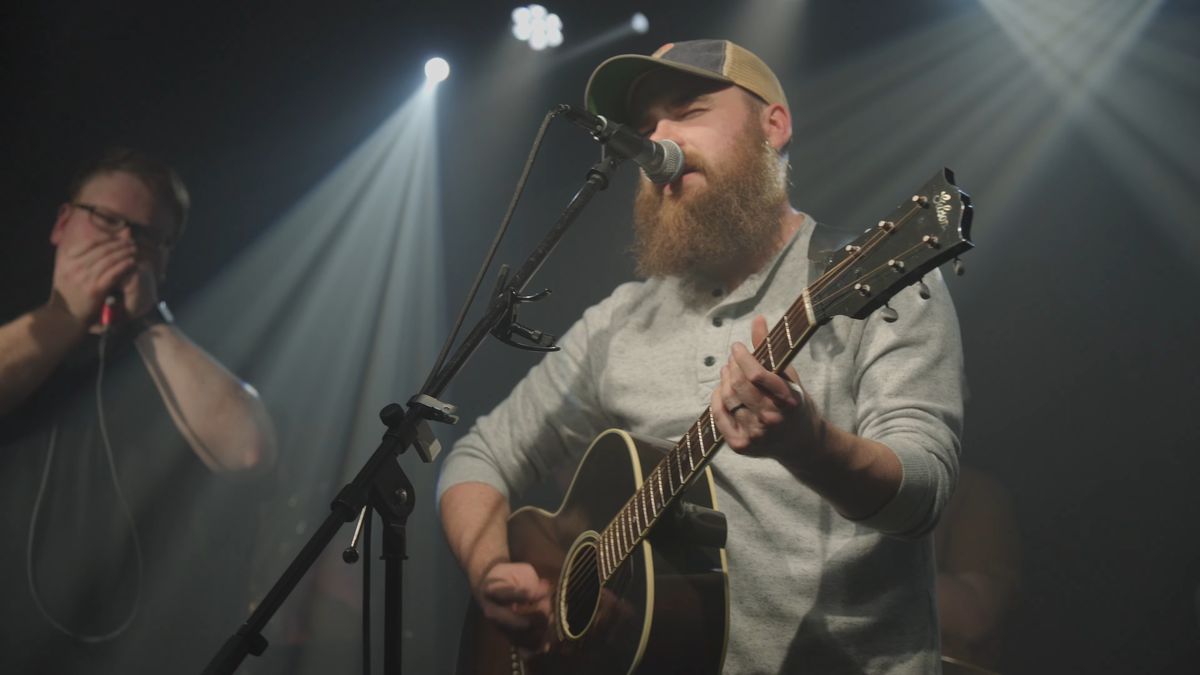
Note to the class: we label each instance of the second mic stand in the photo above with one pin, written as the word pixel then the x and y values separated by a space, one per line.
pixel 381 482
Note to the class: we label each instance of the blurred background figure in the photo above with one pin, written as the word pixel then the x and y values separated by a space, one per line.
pixel 979 559
pixel 112 426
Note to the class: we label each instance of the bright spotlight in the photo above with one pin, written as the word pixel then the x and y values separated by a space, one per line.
pixel 436 69
pixel 537 26
pixel 639 23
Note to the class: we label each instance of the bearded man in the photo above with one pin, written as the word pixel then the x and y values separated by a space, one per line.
pixel 838 472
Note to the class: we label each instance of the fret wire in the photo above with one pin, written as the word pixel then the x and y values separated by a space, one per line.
pixel 617 525
pixel 691 463
pixel 612 552
pixel 679 463
pixel 631 522
pixel 780 345
pixel 655 509
pixel 770 352
pixel 602 555
pixel 621 529
pixel 787 331
pixel 606 549
pixel 662 499
pixel 637 513
pixel 712 423
pixel 700 439
pixel 670 474
pixel 651 511
pixel 645 521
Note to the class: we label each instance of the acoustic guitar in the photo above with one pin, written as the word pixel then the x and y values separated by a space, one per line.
pixel 636 549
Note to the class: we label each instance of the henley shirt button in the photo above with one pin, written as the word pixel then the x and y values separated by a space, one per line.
pixel 717 292
pixel 717 321
pixel 710 360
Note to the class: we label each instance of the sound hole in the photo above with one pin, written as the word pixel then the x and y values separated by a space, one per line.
pixel 579 593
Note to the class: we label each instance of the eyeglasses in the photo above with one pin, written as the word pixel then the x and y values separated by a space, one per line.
pixel 111 222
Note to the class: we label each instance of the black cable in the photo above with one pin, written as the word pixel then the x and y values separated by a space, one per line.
pixel 491 254
pixel 91 638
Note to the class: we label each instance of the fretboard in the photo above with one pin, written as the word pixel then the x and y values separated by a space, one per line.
pixel 664 483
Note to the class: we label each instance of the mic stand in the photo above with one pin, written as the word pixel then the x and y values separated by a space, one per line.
pixel 381 482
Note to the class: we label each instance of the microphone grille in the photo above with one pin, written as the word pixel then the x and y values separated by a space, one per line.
pixel 672 163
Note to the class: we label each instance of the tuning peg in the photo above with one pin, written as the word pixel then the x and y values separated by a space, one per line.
pixel 889 315
pixel 959 268
pixel 923 290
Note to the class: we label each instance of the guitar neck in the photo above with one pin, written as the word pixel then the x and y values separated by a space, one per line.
pixel 664 484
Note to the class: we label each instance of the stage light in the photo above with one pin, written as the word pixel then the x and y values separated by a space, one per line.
pixel 639 23
pixel 437 69
pixel 537 26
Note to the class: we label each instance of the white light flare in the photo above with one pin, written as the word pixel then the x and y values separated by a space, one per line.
pixel 537 27
pixel 436 70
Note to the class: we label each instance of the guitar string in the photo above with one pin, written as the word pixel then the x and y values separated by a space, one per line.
pixel 761 351
pixel 591 562
pixel 622 577
pixel 698 429
pixel 878 236
pixel 576 577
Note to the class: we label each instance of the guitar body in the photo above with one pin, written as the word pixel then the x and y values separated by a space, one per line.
pixel 665 610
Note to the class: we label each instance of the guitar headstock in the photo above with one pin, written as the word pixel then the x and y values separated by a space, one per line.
pixel 922 232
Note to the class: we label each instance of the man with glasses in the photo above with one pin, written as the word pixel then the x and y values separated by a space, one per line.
pixel 112 423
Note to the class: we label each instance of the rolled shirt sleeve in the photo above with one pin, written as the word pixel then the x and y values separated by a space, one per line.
pixel 910 389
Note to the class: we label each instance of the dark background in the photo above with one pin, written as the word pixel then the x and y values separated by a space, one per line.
pixel 1078 142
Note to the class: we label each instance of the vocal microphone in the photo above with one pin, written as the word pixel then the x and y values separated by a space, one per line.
pixel 661 161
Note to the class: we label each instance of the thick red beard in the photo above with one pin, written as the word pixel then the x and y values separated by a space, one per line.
pixel 730 223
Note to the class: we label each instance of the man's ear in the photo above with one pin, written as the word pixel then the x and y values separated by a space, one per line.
pixel 60 223
pixel 777 125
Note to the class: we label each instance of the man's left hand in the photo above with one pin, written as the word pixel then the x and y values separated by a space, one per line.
pixel 761 413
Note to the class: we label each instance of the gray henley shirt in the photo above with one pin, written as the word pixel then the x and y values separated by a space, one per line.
pixel 810 590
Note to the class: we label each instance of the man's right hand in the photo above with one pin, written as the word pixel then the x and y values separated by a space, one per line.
pixel 86 272
pixel 517 601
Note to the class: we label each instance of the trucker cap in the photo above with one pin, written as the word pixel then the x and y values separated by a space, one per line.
pixel 612 83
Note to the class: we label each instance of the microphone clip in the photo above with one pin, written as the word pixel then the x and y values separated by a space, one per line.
pixel 509 331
